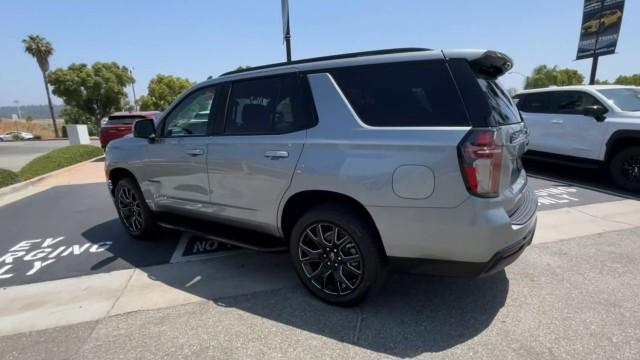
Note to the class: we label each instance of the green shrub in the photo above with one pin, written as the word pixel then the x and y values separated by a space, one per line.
pixel 58 159
pixel 8 177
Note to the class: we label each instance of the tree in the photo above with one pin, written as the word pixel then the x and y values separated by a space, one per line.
pixel 41 50
pixel 628 80
pixel 242 67
pixel 544 76
pixel 162 91
pixel 97 90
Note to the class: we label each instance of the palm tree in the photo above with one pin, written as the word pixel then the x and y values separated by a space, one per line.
pixel 41 49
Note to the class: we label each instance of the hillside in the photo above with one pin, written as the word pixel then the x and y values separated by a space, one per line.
pixel 35 111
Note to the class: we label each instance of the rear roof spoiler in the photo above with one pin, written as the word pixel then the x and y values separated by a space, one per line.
pixel 485 63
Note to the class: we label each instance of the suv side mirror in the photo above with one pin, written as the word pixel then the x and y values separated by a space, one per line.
pixel 595 111
pixel 145 129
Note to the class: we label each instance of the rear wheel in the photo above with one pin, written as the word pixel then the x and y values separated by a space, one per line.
pixel 337 255
pixel 624 168
pixel 133 211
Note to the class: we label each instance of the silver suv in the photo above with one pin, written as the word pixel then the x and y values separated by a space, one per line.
pixel 351 162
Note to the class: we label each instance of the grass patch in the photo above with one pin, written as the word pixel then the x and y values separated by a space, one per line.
pixel 8 177
pixel 58 159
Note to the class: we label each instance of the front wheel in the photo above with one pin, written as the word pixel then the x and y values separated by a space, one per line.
pixel 133 211
pixel 624 168
pixel 337 255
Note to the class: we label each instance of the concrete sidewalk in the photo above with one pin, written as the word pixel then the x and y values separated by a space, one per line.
pixel 574 299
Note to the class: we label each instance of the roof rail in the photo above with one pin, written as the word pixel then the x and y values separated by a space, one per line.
pixel 330 57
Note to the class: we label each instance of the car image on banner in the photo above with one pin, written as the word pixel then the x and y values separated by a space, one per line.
pixel 601 21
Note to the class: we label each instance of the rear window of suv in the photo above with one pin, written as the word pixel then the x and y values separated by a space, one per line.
pixel 414 93
pixel 123 120
pixel 503 109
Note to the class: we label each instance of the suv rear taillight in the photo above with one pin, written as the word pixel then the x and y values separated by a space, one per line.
pixel 481 162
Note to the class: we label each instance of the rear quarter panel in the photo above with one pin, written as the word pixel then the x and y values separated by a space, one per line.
pixel 346 156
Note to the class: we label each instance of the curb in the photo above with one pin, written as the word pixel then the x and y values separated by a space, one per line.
pixel 31 182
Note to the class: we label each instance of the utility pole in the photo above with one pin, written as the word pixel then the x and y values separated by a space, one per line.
pixel 594 68
pixel 133 90
pixel 18 108
pixel 594 62
pixel 285 27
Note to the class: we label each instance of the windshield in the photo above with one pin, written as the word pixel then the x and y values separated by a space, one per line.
pixel 627 99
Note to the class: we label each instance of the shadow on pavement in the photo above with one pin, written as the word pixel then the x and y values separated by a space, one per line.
pixel 563 174
pixel 410 316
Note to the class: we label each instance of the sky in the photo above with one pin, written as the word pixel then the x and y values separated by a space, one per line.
pixel 198 38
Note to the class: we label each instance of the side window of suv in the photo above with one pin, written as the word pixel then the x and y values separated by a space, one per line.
pixel 413 93
pixel 572 102
pixel 191 116
pixel 534 102
pixel 265 106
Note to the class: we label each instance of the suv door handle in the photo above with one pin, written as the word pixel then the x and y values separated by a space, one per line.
pixel 195 152
pixel 274 154
pixel 557 121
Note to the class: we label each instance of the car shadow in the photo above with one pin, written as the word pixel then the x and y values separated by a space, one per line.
pixel 566 174
pixel 409 316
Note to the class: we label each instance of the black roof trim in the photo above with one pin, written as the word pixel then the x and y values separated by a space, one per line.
pixel 330 57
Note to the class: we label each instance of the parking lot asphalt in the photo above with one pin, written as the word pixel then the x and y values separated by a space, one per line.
pixel 68 267
pixel 73 230
pixel 15 154
pixel 574 299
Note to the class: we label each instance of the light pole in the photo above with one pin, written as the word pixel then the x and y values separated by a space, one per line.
pixel 286 31
pixel 18 108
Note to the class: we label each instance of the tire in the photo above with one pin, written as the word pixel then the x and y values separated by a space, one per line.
pixel 134 214
pixel 320 261
pixel 624 168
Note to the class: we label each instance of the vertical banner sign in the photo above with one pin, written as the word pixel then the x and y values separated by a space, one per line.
pixel 601 20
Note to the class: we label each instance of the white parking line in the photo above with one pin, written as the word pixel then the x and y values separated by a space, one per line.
pixel 587 187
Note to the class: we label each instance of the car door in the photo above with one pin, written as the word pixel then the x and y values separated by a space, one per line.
pixel 176 170
pixel 252 165
pixel 572 132
pixel 534 108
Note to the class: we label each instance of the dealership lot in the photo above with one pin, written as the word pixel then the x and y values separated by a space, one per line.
pixel 78 233
pixel 74 284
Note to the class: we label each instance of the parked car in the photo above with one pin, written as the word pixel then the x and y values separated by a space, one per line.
pixel 119 125
pixel 597 126
pixel 16 135
pixel 409 157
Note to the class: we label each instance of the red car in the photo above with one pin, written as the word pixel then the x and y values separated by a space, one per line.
pixel 120 124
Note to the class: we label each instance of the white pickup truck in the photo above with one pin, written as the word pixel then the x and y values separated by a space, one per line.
pixel 592 124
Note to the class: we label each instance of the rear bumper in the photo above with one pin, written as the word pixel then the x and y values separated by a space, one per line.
pixel 472 232
pixel 498 261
